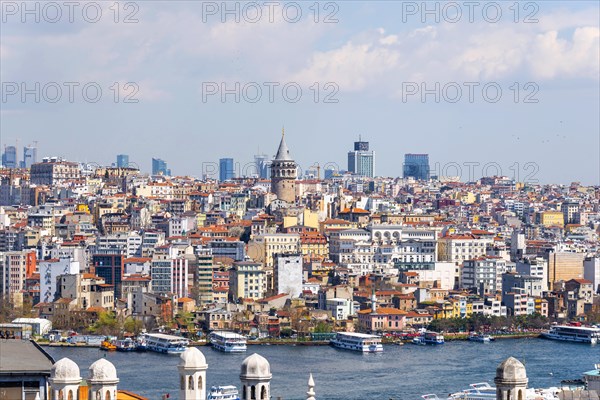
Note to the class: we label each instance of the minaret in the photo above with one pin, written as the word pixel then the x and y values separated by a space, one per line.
pixel 284 173
pixel 373 299
pixel 192 375
pixel 511 380
pixel 65 380
pixel 255 377
pixel 103 380
pixel 311 388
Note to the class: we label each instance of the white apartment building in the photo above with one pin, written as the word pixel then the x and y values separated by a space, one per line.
pixel 483 273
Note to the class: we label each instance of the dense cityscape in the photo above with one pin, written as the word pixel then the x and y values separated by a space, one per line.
pixel 299 200
pixel 109 252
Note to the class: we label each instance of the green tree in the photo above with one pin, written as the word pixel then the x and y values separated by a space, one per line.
pixel 133 325
pixel 322 327
pixel 106 324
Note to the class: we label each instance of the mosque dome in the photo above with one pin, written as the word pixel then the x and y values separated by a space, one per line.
pixel 255 367
pixel 65 369
pixel 511 370
pixel 192 358
pixel 103 371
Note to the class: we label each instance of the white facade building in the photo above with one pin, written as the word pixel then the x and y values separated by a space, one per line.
pixel 50 270
pixel 288 274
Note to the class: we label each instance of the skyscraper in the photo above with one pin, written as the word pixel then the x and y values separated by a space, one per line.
pixel 9 158
pixel 159 167
pixel 226 169
pixel 361 161
pixel 416 166
pixel 262 165
pixel 29 156
pixel 122 160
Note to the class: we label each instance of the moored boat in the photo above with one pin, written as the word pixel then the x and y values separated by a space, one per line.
pixel 357 342
pixel 480 337
pixel 107 345
pixel 428 337
pixel 125 345
pixel 568 333
pixel 223 393
pixel 228 342
pixel 162 343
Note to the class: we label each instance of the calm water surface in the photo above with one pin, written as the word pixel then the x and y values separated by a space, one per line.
pixel 399 373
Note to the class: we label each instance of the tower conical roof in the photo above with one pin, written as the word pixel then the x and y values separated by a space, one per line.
pixel 283 153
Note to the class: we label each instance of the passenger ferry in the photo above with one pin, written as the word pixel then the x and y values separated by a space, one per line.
pixel 429 337
pixel 568 333
pixel 161 343
pixel 357 342
pixel 228 342
pixel 125 345
pixel 223 393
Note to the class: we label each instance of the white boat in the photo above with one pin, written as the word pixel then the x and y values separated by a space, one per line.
pixel 125 345
pixel 429 337
pixel 477 391
pixel 580 334
pixel 229 342
pixel 483 391
pixel 162 343
pixel 480 337
pixel 357 342
pixel 223 393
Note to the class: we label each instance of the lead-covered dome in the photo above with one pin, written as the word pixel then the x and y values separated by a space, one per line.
pixel 255 367
pixel 103 371
pixel 511 370
pixel 65 370
pixel 192 358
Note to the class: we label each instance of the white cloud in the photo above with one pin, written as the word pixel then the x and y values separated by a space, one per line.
pixel 174 45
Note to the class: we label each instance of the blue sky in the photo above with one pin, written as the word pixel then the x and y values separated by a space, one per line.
pixel 376 61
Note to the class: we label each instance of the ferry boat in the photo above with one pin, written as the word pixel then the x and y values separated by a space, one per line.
pixel 569 333
pixel 357 342
pixel 107 345
pixel 480 337
pixel 228 342
pixel 125 345
pixel 140 343
pixel 223 393
pixel 162 343
pixel 429 337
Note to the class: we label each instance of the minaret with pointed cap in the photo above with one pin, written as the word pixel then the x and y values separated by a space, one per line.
pixel 284 173
pixel 311 388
